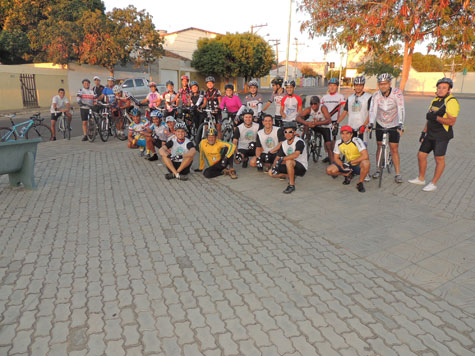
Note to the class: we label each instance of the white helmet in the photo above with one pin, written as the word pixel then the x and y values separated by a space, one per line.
pixel 385 77
pixel 359 80
pixel 253 83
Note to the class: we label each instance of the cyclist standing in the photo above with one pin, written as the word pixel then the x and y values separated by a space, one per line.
pixel 267 144
pixel 245 138
pixel 357 108
pixel 277 94
pixel 230 102
pixel 153 98
pixel 333 102
pixel 184 93
pixel 437 133
pixel 291 104
pixel 170 98
pixel 85 98
pixel 252 101
pixel 198 102
pixel 387 111
pixel 98 88
pixel 213 99
pixel 60 104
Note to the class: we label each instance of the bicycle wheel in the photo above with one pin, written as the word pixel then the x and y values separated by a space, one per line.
pixel 199 135
pixel 318 148
pixel 103 129
pixel 382 162
pixel 39 131
pixel 390 161
pixel 91 128
pixel 67 128
pixel 308 144
pixel 227 134
pixel 122 133
pixel 7 134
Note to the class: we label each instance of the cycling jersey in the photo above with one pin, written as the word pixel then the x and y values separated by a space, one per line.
pixel 333 102
pixel 137 129
pixel 246 135
pixel 151 98
pixel 98 90
pixel 60 103
pixel 169 98
pixel 297 144
pixel 211 154
pixel 232 104
pixel 212 96
pixel 109 94
pixel 443 106
pixel 161 132
pixel 86 96
pixel 349 150
pixel 253 102
pixel 318 116
pixel 291 104
pixel 388 111
pixel 269 141
pixel 184 95
pixel 179 148
pixel 276 98
pixel 357 107
pixel 197 98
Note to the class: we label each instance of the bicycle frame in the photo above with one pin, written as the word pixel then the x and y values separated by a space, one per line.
pixel 19 129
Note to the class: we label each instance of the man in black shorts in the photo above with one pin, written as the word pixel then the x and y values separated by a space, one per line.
pixel 437 133
pixel 291 158
pixel 267 144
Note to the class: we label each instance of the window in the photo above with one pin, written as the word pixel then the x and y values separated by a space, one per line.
pixel 128 84
pixel 139 83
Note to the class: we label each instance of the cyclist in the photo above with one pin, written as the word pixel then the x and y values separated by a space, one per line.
pixel 291 159
pixel 333 102
pixel 153 98
pixel 357 108
pixel 170 98
pixel 108 92
pixel 437 133
pixel 387 111
pixel 136 131
pixel 318 119
pixel 252 101
pixel 198 102
pixel 245 138
pixel 184 93
pixel 231 103
pixel 213 99
pixel 85 98
pixel 98 88
pixel 291 104
pixel 177 154
pixel 268 142
pixel 277 94
pixel 60 104
pixel 153 134
pixel 353 151
pixel 218 155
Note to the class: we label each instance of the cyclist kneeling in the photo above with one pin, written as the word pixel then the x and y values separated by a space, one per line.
pixel 154 134
pixel 245 138
pixel 291 158
pixel 267 144
pixel 353 151
pixel 177 154
pixel 136 131
pixel 218 155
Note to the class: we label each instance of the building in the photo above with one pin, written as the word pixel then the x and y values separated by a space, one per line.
pixel 185 42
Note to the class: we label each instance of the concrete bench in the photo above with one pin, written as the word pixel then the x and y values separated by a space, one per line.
pixel 17 159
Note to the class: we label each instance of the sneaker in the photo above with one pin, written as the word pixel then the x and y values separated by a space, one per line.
pixel 53 138
pixel 398 178
pixel 154 158
pixel 244 163
pixel 289 189
pixel 169 176
pixel 181 177
pixel 430 187
pixel 326 160
pixel 367 178
pixel 360 187
pixel 147 156
pixel 348 179
pixel 376 174
pixel 417 181
pixel 84 138
pixel 232 173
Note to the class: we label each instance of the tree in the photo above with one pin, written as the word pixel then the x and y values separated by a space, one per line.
pixel 214 58
pixel 427 63
pixel 308 71
pixel 374 67
pixel 13 44
pixel 447 24
pixel 383 60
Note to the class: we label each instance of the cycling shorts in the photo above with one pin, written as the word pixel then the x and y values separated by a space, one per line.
pixel 438 146
pixel 84 114
pixel 299 169
pixel 247 153
pixel 393 134
pixel 271 159
pixel 177 165
pixel 55 116
pixel 326 133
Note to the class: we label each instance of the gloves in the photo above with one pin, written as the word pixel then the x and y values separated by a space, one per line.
pixel 252 146
pixel 259 163
pixel 275 169
pixel 362 129
pixel 266 158
pixel 347 167
pixel 335 126
pixel 176 158
pixel 423 136
pixel 238 157
pixel 431 116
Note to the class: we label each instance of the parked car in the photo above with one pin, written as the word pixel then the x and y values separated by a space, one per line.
pixel 138 87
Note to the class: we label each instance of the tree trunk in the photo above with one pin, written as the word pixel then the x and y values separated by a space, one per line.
pixel 406 63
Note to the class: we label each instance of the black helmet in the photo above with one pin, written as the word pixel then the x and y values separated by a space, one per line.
pixel 314 100
pixel 290 125
pixel 446 80
pixel 229 86
pixel 289 83
pixel 86 80
pixel 248 111
pixel 277 81
pixel 169 83
pixel 210 79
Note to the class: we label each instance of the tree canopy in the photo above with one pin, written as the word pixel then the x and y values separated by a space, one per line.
pixel 308 71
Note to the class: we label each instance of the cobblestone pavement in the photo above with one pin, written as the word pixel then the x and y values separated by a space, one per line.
pixel 109 258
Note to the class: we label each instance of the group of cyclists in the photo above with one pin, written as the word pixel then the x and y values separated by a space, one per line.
pixel 275 144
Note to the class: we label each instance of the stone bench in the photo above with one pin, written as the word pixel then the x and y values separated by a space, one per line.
pixel 17 159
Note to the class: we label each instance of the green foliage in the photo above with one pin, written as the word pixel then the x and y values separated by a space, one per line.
pixel 427 63
pixel 376 67
pixel 213 58
pixel 12 45
pixel 308 72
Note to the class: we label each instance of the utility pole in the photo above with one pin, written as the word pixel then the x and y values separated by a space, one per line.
pixel 256 26
pixel 297 44
pixel 288 43
pixel 276 43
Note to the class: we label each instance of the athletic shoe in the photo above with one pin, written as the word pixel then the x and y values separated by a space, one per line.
pixel 326 160
pixel 170 176
pixel 147 156
pixel 367 178
pixel 376 174
pixel 430 187
pixel 182 177
pixel 360 187
pixel 417 181
pixel 289 189
pixel 398 178
pixel 154 158
pixel 244 163
pixel 53 138
pixel 84 138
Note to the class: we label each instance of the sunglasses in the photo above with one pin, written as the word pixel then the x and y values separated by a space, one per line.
pixel 289 131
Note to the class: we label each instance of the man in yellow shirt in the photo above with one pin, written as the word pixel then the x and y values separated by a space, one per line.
pixel 218 155
pixel 437 133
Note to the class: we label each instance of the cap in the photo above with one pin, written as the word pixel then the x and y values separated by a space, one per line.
pixel 346 128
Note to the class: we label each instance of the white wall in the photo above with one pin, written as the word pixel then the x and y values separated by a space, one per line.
pixel 186 42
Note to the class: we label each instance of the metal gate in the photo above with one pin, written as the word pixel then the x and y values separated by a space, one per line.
pixel 28 90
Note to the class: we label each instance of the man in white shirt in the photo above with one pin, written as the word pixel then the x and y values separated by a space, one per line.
pixel 60 104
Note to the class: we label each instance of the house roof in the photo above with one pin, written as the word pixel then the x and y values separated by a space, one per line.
pixel 189 29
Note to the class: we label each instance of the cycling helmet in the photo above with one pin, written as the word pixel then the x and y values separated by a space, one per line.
pixel 180 126
pixel 289 83
pixel 136 112
pixel 277 81
pixel 229 86
pixel 334 81
pixel 185 77
pixel 169 83
pixel 152 84
pixel 110 79
pixel 194 83
pixel 211 132
pixel 247 111
pixel 155 113
pixel 314 100
pixel 385 77
pixel 210 79
pixel 116 89
pixel 359 80
pixel 86 80
pixel 446 80
pixel 290 125
pixel 96 77
pixel 253 83
pixel 170 119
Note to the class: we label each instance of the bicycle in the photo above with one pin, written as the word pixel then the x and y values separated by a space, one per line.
pixel 32 128
pixel 184 114
pixel 314 143
pixel 64 125
pixel 227 125
pixel 92 124
pixel 208 123
pixel 385 159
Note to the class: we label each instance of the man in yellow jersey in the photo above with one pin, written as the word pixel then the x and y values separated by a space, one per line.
pixel 437 133
pixel 218 155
